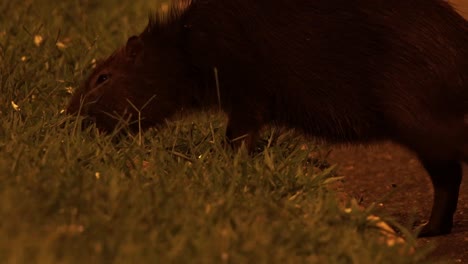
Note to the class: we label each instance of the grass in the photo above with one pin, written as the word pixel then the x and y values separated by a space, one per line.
pixel 175 195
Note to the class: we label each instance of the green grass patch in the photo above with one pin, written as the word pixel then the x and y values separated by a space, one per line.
pixel 178 195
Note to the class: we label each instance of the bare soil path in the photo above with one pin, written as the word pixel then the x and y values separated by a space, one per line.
pixel 372 172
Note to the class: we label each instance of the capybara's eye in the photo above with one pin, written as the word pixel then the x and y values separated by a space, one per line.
pixel 102 78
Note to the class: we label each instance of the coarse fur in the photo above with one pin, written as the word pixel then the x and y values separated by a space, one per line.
pixel 348 71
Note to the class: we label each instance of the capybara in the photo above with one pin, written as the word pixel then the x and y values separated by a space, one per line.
pixel 347 71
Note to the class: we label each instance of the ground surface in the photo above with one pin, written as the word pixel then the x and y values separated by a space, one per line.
pixel 372 172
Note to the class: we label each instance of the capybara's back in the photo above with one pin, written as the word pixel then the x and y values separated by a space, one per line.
pixel 343 70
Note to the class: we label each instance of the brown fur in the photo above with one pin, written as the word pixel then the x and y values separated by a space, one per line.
pixel 343 70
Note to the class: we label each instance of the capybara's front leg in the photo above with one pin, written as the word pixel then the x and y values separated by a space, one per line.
pixel 243 129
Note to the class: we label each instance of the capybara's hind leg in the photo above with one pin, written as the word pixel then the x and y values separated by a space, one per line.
pixel 446 179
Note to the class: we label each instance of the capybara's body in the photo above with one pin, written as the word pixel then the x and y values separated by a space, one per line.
pixel 342 70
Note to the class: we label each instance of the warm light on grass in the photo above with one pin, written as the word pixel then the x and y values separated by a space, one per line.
pixel 175 194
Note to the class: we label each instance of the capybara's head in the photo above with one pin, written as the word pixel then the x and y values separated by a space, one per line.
pixel 142 83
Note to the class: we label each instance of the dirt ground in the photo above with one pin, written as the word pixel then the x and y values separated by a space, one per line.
pixel 461 6
pixel 373 172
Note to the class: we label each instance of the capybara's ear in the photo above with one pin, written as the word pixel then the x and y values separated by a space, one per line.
pixel 134 47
